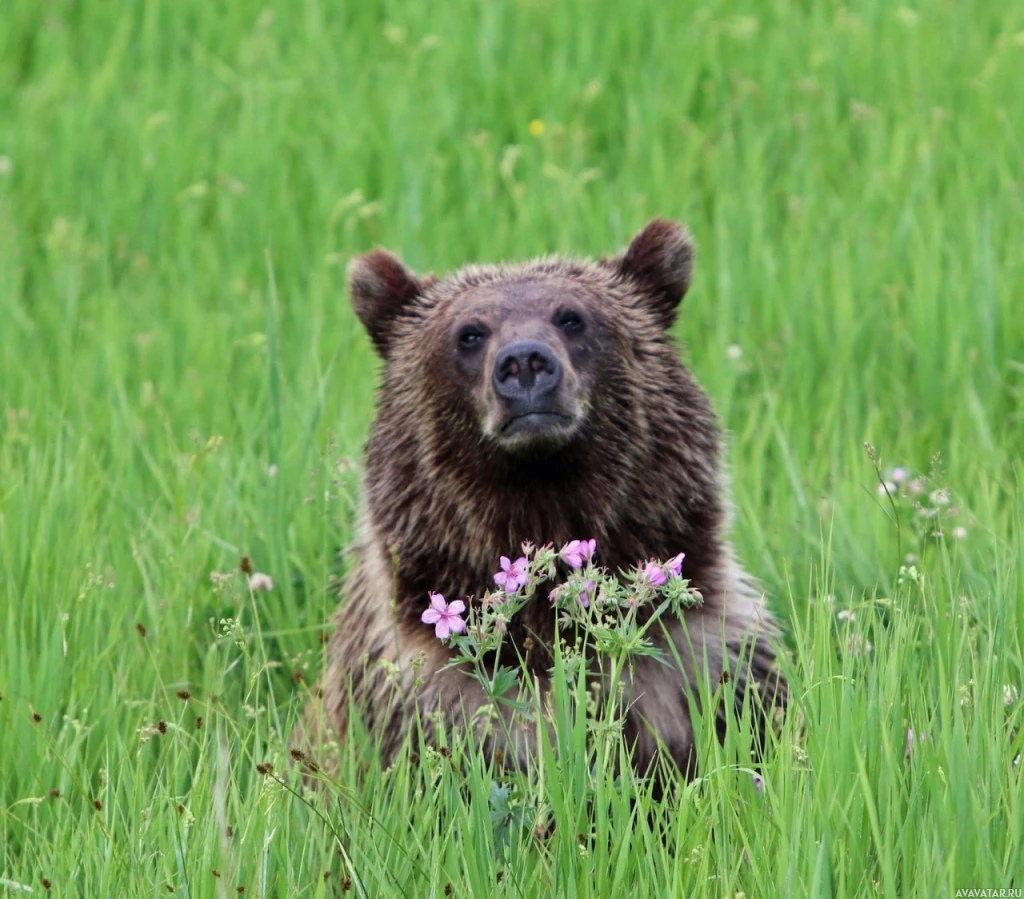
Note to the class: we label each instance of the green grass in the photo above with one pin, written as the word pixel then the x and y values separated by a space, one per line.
pixel 181 185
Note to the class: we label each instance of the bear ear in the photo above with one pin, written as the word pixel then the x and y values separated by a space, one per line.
pixel 660 262
pixel 381 289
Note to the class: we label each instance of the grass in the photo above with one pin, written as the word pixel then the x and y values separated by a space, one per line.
pixel 181 185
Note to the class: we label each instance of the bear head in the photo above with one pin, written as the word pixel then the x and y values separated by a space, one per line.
pixel 542 401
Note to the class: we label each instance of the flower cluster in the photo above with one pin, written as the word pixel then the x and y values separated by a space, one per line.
pixel 929 507
pixel 603 622
pixel 657 575
pixel 586 595
pixel 576 553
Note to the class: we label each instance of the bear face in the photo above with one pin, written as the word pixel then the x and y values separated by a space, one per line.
pixel 539 402
pixel 524 359
pixel 542 402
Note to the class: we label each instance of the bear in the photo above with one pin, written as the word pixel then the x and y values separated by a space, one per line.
pixel 536 402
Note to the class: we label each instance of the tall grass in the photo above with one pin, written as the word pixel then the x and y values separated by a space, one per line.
pixel 182 382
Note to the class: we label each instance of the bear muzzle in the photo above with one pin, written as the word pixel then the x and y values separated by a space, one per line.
pixel 526 379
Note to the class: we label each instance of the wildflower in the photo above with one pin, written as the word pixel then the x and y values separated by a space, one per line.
pixel 1010 694
pixel 260 581
pixel 899 475
pixel 916 486
pixel 939 497
pixel 909 748
pixel 846 615
pixel 653 574
pixel 887 488
pixel 960 533
pixel 536 128
pixel 674 566
pixel 512 575
pixel 444 616
pixel 586 592
pixel 576 552
pixel 758 784
pixel 858 646
pixel 734 352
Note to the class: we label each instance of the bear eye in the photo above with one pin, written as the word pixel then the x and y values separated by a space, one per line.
pixel 569 321
pixel 471 337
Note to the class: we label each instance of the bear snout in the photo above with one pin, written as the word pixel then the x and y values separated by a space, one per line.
pixel 526 375
pixel 533 403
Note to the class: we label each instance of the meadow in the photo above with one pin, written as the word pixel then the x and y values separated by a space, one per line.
pixel 183 383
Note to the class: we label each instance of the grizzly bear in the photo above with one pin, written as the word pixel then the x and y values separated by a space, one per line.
pixel 539 402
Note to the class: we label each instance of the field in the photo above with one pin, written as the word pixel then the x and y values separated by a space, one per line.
pixel 183 382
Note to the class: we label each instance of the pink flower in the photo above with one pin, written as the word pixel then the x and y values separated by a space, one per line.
pixel 512 575
pixel 674 566
pixel 444 616
pixel 654 575
pixel 586 592
pixel 576 552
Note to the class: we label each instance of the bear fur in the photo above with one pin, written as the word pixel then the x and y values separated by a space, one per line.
pixel 539 402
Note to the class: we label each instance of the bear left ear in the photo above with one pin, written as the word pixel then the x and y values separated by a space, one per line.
pixel 381 289
pixel 660 262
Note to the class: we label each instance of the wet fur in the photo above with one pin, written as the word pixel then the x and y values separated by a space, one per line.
pixel 441 505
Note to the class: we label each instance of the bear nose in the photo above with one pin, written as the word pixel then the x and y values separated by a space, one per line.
pixel 524 369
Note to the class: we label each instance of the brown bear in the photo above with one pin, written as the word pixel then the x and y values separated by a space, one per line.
pixel 539 402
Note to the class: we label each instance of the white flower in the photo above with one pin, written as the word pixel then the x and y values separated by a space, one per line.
pixel 858 645
pixel 260 581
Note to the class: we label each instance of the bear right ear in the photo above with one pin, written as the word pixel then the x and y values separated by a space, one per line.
pixel 660 262
pixel 381 288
